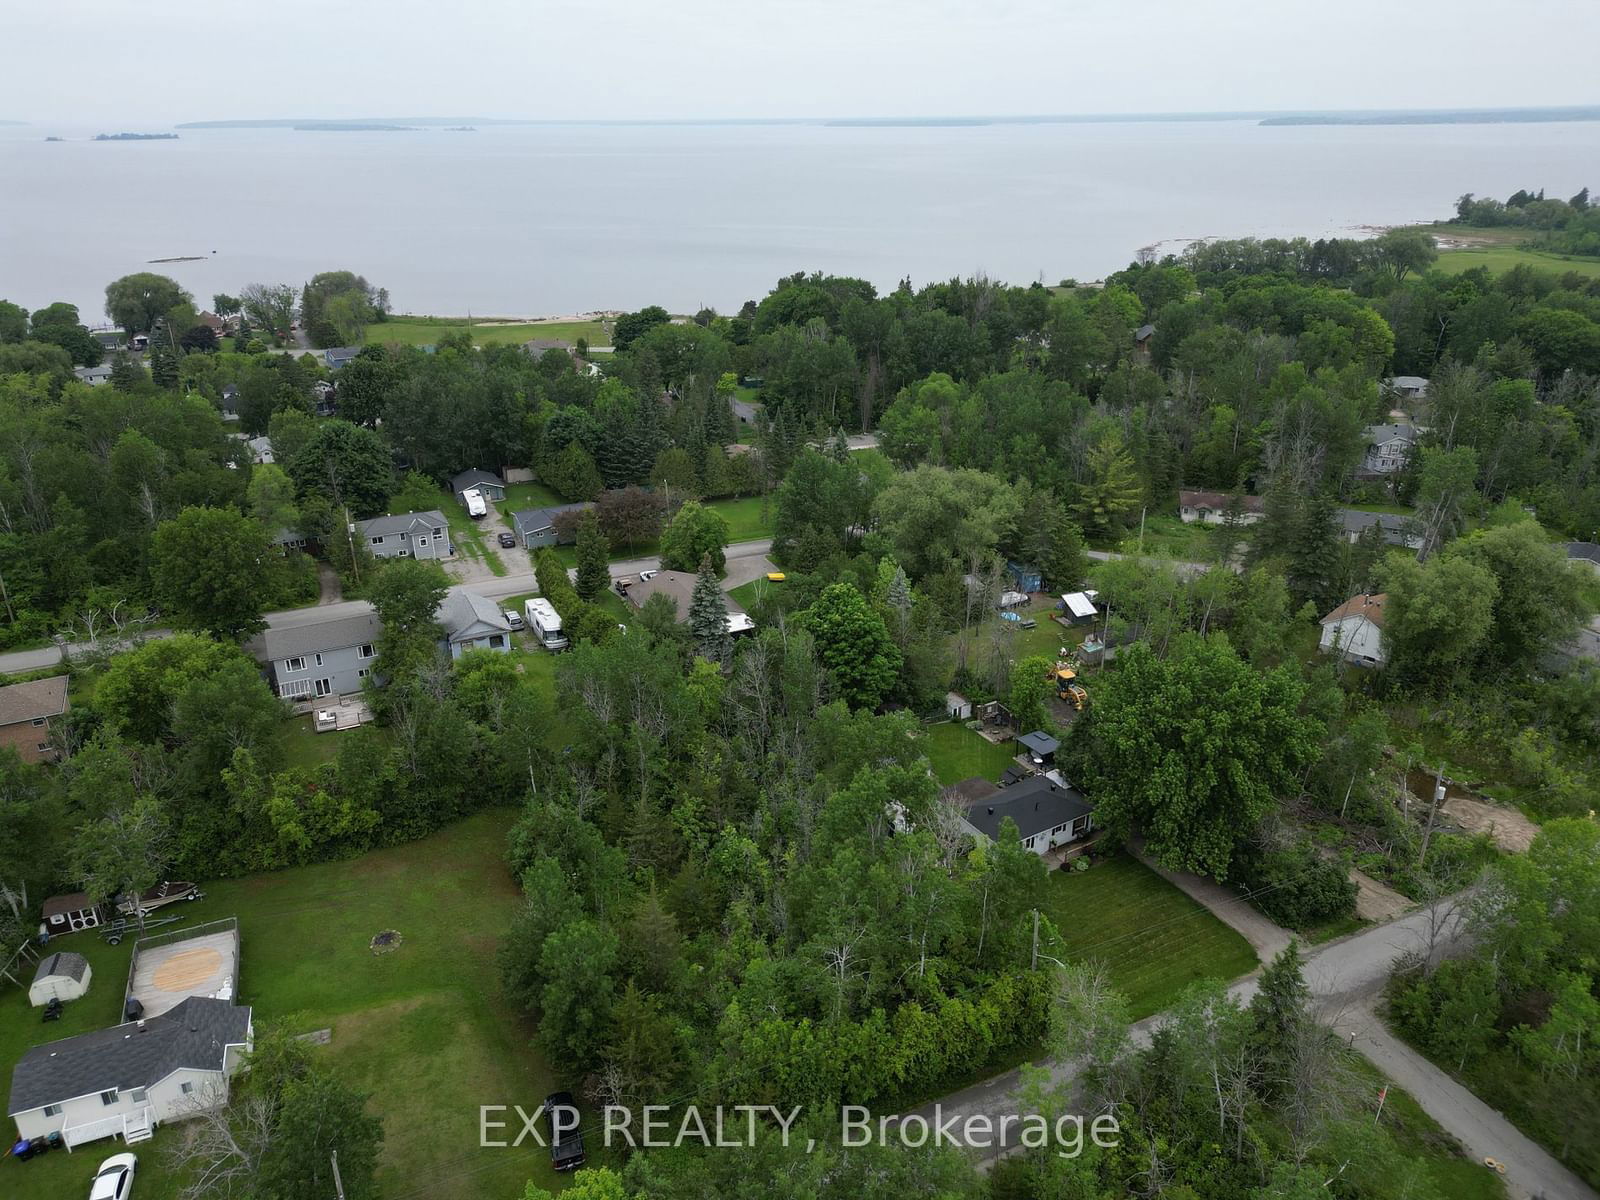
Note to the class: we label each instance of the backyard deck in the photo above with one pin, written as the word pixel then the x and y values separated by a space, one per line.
pixel 168 969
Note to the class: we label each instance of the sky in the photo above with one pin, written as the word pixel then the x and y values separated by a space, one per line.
pixel 101 62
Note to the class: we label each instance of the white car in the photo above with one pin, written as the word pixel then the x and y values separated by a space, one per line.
pixel 114 1179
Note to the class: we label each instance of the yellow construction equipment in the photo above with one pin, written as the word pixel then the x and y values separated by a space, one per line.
pixel 1065 677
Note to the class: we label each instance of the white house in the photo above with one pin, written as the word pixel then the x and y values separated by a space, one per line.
pixel 1212 508
pixel 1355 630
pixel 1388 447
pixel 126 1080
pixel 61 976
pixel 473 622
pixel 1407 387
pixel 1047 812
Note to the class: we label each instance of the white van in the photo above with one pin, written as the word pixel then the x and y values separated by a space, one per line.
pixel 545 623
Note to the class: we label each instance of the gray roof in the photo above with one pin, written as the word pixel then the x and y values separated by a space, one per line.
pixel 1588 551
pixel 473 478
pixel 402 523
pixel 195 1034
pixel 1378 434
pixel 1039 742
pixel 63 964
pixel 461 610
pixel 1410 382
pixel 1036 804
pixel 335 633
pixel 337 356
pixel 32 700
pixel 531 520
pixel 744 410
pixel 1143 332
pixel 1396 529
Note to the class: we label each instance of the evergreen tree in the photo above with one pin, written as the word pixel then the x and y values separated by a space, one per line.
pixel 1111 489
pixel 1316 554
pixel 594 555
pixel 163 368
pixel 708 616
pixel 1280 1013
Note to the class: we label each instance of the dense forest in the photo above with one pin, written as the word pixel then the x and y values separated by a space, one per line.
pixel 741 879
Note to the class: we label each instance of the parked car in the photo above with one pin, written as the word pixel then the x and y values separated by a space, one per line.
pixel 114 1179
pixel 514 618
pixel 566 1143
pixel 507 542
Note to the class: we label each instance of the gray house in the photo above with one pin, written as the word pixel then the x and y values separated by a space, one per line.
pixel 337 356
pixel 408 535
pixel 330 657
pixel 93 376
pixel 489 485
pixel 1587 553
pixel 536 527
pixel 1047 813
pixel 1388 447
pixel 473 622
pixel 1396 531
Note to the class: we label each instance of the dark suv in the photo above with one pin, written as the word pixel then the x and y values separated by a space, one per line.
pixel 566 1143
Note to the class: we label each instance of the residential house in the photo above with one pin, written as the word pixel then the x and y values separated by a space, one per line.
pixel 126 1080
pixel 337 356
pixel 333 656
pixel 1587 553
pixel 489 485
pixel 1213 508
pixel 1395 530
pixel 93 376
pixel 111 341
pixel 1079 607
pixel 678 586
pixel 230 403
pixel 535 527
pixel 1388 448
pixel 407 535
pixel 473 622
pixel 26 712
pixel 287 539
pixel 260 450
pixel 535 347
pixel 1143 338
pixel 1048 812
pixel 61 976
pixel 1406 387
pixel 1355 630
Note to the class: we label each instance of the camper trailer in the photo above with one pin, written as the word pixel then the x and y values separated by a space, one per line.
pixel 476 506
pixel 545 624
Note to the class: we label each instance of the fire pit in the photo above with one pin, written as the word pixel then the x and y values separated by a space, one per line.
pixel 385 942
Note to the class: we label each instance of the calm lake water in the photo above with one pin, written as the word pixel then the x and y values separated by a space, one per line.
pixel 537 220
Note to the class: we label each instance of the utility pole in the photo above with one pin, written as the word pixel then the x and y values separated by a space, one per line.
pixel 1433 813
pixel 338 1184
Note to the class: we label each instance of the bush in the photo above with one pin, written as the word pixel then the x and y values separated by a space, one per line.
pixel 1296 886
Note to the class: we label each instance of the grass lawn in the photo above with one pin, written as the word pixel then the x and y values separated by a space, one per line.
pixel 1045 640
pixel 426 331
pixel 1167 534
pixel 1419 1137
pixel 303 746
pixel 957 753
pixel 1152 940
pixel 1504 250
pixel 424 1029
pixel 467 537
pixel 750 518
pixel 527 495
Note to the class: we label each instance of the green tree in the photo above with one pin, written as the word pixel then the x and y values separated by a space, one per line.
pixel 675 474
pixel 1192 750
pixel 708 616
pixel 315 1114
pixel 578 964
pixel 589 1183
pixel 13 322
pixel 138 695
pixel 270 495
pixel 348 464
pixel 594 557
pixel 1110 490
pixel 853 645
pixel 1538 601
pixel 407 594
pixel 136 301
pixel 209 570
pixel 1028 696
pixel 1436 617
pixel 1280 1014
pixel 935 517
pixel 694 533
pixel 574 474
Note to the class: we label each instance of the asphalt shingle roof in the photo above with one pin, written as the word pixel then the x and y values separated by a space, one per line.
pixel 1037 804
pixel 474 477
pixel 65 963
pixel 32 700
pixel 338 633
pixel 194 1035
pixel 461 610
pixel 402 523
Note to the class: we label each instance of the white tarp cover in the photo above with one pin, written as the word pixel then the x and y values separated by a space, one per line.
pixel 1078 604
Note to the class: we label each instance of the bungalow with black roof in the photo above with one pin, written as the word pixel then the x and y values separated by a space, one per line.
pixel 1046 813
pixel 1394 530
pixel 126 1080
pixel 535 527
pixel 1587 553
pixel 1214 508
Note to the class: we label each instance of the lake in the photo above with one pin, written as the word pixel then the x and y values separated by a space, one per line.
pixel 543 220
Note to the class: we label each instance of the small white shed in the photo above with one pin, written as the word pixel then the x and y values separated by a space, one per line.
pixel 958 706
pixel 61 976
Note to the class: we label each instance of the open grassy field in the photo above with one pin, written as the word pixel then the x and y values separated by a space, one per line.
pixel 1152 940
pixel 426 331
pixel 750 518
pixel 957 753
pixel 1500 249
pixel 423 1029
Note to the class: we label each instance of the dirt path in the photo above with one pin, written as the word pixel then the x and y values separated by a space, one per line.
pixel 1377 901
pixel 1508 828
pixel 329 589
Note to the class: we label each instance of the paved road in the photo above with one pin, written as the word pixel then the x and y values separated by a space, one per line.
pixel 1345 978
pixel 746 561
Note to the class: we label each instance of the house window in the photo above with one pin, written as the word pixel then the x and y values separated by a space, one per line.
pixel 319 659
pixel 367 651
pixel 324 687
pixel 39 720
pixel 422 541
pixel 362 673
pixel 377 541
pixel 185 1088
pixel 44 747
pixel 497 641
pixel 1029 842
pixel 108 1098
pixel 52 1110
pixel 294 664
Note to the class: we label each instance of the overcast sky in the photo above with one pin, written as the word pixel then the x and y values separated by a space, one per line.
pixel 108 62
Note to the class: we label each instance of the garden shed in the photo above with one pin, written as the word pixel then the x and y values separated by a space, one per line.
pixel 61 976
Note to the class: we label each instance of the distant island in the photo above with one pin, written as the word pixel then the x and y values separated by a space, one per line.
pixel 55 139
pixel 1461 116
pixel 354 122
pixel 352 127
pixel 135 137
